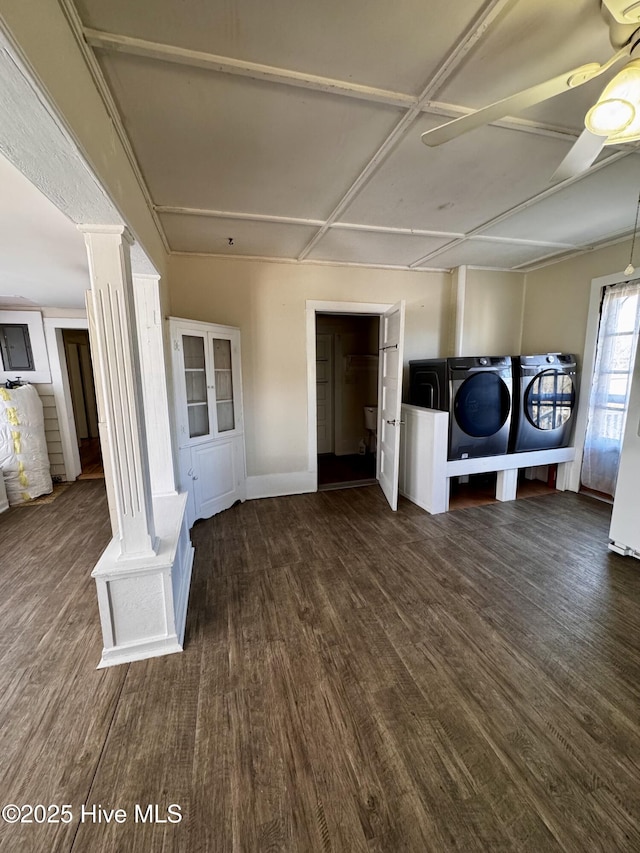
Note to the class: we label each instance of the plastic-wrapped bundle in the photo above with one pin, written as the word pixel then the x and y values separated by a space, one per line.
pixel 24 460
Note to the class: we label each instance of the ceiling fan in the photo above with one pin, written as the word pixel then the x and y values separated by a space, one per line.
pixel 614 118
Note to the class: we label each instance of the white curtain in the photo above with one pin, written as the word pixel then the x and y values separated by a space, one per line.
pixel 615 354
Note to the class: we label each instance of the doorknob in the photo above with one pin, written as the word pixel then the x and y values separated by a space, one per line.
pixel 395 422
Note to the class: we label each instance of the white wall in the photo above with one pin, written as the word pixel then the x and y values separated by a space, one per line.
pixel 267 301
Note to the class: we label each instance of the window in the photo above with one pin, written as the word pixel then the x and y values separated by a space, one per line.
pixel 15 346
pixel 23 350
pixel 615 355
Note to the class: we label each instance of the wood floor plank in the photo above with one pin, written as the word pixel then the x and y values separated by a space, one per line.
pixel 353 681
pixel 55 708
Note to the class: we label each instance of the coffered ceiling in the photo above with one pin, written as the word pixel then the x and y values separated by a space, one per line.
pixel 291 129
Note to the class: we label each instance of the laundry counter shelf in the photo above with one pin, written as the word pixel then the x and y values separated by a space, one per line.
pixel 425 471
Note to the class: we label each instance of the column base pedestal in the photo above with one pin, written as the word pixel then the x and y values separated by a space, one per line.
pixel 143 601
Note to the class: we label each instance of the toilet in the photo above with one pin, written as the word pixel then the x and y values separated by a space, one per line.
pixel 371 425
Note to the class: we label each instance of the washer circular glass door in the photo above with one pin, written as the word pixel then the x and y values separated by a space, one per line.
pixel 549 399
pixel 482 405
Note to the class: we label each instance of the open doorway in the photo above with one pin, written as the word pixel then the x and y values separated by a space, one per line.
pixel 346 399
pixel 83 398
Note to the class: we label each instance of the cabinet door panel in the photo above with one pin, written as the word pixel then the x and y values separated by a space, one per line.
pixel 224 382
pixel 216 486
pixel 194 386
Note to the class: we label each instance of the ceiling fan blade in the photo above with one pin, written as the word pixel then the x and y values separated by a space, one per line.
pixel 581 155
pixel 520 101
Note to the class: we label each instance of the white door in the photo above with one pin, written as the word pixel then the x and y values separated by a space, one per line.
pixel 390 400
pixel 324 392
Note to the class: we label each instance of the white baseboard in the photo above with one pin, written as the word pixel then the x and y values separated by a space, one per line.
pixel 275 485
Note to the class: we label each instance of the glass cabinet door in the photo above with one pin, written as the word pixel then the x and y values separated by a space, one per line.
pixel 223 384
pixel 195 377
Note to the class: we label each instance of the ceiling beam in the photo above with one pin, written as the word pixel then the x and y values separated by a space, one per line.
pixel 519 241
pixel 235 215
pixel 389 229
pixel 254 70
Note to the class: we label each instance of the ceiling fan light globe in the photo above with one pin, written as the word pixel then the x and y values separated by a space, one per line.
pixel 631 133
pixel 623 89
pixel 610 116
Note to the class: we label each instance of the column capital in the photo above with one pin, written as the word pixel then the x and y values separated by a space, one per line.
pixel 114 230
pixel 146 276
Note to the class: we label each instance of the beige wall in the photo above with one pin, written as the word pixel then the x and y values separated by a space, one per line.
pixel 268 302
pixel 556 301
pixel 493 309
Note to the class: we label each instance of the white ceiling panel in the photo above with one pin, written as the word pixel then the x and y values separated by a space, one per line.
pixel 485 253
pixel 209 235
pixel 460 185
pixel 373 247
pixel 531 42
pixel 211 141
pixel 395 46
pixel 600 205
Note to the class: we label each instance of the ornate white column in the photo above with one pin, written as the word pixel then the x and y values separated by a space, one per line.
pixel 143 576
pixel 118 369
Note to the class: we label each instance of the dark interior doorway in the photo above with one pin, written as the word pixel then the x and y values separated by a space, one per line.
pixel 83 396
pixel 347 399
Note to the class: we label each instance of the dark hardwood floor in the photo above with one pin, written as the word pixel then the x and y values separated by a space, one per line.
pixel 354 680
pixel 338 472
pixel 91 459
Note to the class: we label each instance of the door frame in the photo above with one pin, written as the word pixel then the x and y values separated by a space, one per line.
pixel 314 307
pixel 53 327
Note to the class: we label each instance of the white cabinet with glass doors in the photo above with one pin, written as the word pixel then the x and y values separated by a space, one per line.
pixel 209 420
